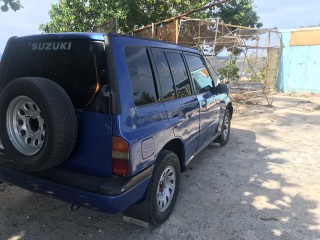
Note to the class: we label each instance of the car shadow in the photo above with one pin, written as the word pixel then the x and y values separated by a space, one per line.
pixel 231 192
pixel 244 193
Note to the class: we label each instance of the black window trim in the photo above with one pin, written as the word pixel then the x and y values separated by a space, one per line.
pixel 155 74
pixel 162 50
pixel 185 65
pixel 182 53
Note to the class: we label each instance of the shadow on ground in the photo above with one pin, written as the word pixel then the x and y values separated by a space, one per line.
pixel 229 192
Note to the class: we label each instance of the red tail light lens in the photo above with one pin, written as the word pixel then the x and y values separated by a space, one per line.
pixel 120 157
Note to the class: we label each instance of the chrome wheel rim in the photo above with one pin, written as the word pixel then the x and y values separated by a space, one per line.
pixel 226 127
pixel 166 187
pixel 25 125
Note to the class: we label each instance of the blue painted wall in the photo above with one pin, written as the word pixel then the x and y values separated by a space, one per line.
pixel 299 69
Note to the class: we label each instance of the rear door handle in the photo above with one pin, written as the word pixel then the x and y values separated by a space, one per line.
pixel 175 113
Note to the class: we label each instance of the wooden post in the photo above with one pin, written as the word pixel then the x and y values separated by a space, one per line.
pixel 177 20
pixel 268 58
pixel 153 30
pixel 199 33
pixel 116 25
pixel 215 36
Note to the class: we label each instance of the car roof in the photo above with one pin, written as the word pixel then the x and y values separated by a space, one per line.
pixel 126 39
pixel 62 36
pixel 149 42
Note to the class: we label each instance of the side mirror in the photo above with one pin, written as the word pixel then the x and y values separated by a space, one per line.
pixel 222 88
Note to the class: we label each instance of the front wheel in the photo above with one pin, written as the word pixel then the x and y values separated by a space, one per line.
pixel 225 131
pixel 164 187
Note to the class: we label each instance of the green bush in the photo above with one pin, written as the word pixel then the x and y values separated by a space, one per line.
pixel 230 71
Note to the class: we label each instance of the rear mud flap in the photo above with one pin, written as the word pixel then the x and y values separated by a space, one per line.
pixel 138 213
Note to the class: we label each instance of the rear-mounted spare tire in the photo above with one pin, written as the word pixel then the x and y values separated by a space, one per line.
pixel 38 123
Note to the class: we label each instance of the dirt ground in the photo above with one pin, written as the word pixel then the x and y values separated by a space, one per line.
pixel 264 184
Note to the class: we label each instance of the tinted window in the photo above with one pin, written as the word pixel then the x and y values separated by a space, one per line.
pixel 76 70
pixel 179 74
pixel 199 73
pixel 141 75
pixel 166 83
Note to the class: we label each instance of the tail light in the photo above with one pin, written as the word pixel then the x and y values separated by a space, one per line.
pixel 120 157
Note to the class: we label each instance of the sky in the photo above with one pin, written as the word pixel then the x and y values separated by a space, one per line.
pixel 283 14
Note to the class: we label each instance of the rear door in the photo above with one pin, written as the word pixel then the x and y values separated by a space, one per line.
pixel 181 104
pixel 209 102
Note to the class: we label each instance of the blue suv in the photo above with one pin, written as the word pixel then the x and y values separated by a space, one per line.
pixel 106 121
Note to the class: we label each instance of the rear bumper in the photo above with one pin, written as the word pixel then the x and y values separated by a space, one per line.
pixel 110 195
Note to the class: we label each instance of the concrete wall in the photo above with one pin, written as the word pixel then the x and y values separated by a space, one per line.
pixel 300 65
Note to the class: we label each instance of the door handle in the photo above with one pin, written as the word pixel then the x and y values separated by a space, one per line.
pixel 204 103
pixel 175 113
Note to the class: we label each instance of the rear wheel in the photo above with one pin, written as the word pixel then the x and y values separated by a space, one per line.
pixel 165 187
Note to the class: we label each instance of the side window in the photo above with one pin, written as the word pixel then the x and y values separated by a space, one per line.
pixel 140 75
pixel 179 74
pixel 166 82
pixel 199 73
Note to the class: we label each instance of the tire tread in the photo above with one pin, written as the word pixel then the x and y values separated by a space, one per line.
pixel 58 107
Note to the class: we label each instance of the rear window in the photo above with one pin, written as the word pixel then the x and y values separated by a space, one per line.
pixel 74 65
